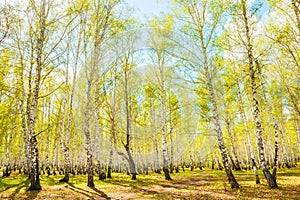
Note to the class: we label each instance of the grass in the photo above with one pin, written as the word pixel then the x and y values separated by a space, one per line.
pixel 205 184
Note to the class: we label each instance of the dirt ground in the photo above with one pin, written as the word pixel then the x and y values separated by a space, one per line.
pixel 205 184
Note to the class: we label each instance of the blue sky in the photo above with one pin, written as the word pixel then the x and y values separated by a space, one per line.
pixel 148 8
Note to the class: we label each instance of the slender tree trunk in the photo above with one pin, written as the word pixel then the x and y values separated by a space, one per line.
pixel 63 144
pixel 34 170
pixel 128 146
pixel 109 169
pixel 274 122
pixel 163 119
pixel 285 151
pixel 113 142
pixel 245 121
pixel 98 134
pixel 172 152
pixel 235 159
pixel 258 129
pixel 154 139
pixel 171 127
pixel 48 141
pixel 256 111
pixel 25 104
pixel 221 143
pixel 24 128
pixel 88 142
pixel 29 97
pixel 252 155
pixel 297 126
pixel 191 160
pixel 7 171
pixel 246 153
pixel 113 137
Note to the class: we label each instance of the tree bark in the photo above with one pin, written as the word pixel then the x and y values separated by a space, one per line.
pixel 163 118
pixel 34 171
pixel 273 120
pixel 245 121
pixel 256 111
pixel 285 151
pixel 297 126
pixel 90 182
pixel 128 145
pixel 235 160
pixel 154 139
pixel 221 143
pixel 113 137
pixel 109 168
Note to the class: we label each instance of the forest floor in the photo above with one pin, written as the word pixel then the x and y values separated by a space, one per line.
pixel 198 184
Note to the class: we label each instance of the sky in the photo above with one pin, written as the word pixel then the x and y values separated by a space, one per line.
pixel 147 8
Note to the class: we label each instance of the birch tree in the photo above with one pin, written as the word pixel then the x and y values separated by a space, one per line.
pixel 97 21
pixel 204 17
pixel 38 52
pixel 243 13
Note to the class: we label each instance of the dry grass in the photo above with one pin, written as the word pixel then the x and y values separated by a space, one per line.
pixel 205 184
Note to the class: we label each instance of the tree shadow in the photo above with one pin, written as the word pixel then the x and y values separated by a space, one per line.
pixel 148 191
pixel 100 193
pixel 87 193
pixel 51 181
pixel 9 186
pixel 79 190
pixel 32 194
pixel 19 187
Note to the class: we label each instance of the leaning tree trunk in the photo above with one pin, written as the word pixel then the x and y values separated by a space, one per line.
pixel 221 143
pixel 285 151
pixel 274 122
pixel 245 121
pixel 235 160
pixel 252 155
pixel 256 111
pixel 258 129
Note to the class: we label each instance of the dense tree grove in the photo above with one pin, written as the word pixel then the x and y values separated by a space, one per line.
pixel 87 88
